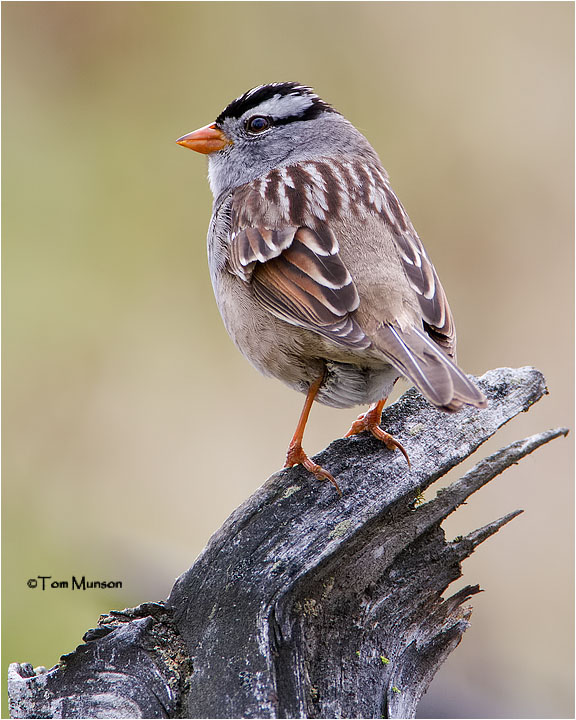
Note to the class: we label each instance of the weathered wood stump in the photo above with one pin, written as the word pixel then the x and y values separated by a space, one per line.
pixel 305 604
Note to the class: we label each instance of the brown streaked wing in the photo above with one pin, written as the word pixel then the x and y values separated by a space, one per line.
pixel 309 286
pixel 252 245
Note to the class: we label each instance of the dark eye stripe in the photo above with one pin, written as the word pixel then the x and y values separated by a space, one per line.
pixel 309 113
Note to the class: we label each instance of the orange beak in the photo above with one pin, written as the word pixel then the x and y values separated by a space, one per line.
pixel 205 140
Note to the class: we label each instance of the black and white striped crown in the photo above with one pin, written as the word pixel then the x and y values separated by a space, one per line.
pixel 307 104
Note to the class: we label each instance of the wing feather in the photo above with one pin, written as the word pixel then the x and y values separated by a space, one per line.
pixel 292 261
pixel 418 357
pixel 296 273
pixel 310 290
pixel 436 313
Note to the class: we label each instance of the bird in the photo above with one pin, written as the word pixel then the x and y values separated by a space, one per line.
pixel 318 273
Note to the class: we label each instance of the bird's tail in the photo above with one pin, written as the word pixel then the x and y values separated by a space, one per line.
pixel 437 377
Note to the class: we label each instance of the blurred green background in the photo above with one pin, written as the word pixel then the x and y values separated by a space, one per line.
pixel 117 369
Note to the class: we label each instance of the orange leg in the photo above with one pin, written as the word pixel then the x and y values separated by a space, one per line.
pixel 295 454
pixel 370 420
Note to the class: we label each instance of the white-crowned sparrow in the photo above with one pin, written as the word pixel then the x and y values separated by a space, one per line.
pixel 319 275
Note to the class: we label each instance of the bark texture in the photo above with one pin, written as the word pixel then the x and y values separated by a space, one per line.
pixel 305 604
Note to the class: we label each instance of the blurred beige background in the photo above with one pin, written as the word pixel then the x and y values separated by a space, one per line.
pixel 117 368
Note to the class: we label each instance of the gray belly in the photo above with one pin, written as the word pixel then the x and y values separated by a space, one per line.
pixel 297 356
pixel 347 385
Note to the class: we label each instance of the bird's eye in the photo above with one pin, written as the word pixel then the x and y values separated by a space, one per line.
pixel 257 124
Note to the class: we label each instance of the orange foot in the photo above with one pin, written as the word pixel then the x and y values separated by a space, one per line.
pixel 297 456
pixel 370 420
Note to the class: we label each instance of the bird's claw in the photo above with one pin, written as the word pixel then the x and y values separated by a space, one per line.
pixel 370 421
pixel 297 456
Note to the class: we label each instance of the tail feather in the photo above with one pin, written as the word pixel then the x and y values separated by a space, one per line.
pixel 418 357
